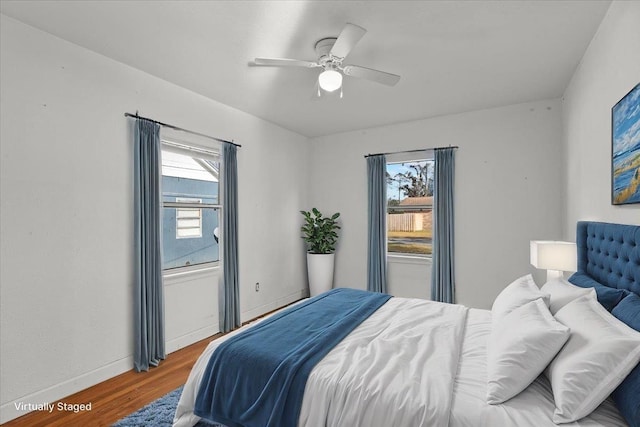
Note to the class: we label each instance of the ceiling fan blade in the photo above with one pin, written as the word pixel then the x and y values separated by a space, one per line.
pixel 281 62
pixel 369 74
pixel 347 39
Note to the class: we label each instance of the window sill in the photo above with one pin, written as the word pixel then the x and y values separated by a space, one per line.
pixel 183 274
pixel 408 259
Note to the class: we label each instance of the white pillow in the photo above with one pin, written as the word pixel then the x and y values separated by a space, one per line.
pixel 520 347
pixel 563 292
pixel 518 293
pixel 599 354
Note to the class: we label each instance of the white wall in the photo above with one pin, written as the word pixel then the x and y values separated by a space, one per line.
pixel 66 291
pixel 508 191
pixel 66 274
pixel 608 70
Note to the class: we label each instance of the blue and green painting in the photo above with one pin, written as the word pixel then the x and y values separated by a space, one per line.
pixel 626 149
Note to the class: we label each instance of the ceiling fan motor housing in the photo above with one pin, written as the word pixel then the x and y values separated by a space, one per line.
pixel 323 49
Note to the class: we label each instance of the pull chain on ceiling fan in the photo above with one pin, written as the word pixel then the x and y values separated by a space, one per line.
pixel 331 51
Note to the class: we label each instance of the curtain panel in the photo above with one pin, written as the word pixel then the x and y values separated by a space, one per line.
pixel 442 272
pixel 377 224
pixel 149 346
pixel 230 294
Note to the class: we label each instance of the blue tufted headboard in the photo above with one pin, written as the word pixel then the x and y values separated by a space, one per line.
pixel 610 254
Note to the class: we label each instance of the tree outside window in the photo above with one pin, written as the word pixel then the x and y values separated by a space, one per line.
pixel 409 207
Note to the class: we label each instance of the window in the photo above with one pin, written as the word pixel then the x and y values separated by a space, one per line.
pixel 190 206
pixel 188 220
pixel 409 207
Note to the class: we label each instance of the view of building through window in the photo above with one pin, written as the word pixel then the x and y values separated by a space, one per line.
pixel 409 207
pixel 191 208
pixel 188 220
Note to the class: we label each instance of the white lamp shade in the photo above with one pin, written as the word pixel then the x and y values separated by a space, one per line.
pixel 554 255
pixel 330 80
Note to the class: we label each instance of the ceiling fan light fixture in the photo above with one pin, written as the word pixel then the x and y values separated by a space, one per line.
pixel 330 80
pixel 330 52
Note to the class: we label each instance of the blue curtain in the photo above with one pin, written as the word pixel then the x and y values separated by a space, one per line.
pixel 230 298
pixel 377 204
pixel 442 273
pixel 149 299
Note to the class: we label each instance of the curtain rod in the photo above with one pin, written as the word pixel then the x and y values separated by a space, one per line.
pixel 411 151
pixel 136 116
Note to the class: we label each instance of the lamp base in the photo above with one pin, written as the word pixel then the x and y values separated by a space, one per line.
pixel 554 275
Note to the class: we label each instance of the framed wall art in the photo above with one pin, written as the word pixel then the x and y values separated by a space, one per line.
pixel 625 149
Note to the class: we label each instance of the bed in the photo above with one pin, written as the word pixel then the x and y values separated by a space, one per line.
pixel 420 363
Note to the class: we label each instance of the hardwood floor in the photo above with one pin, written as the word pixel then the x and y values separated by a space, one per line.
pixel 117 397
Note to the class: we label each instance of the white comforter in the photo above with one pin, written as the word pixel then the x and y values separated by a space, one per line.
pixel 395 369
pixel 412 363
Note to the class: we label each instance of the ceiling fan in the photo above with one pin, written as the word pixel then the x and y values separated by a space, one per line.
pixel 331 51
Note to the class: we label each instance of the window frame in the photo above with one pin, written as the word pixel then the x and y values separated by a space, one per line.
pixel 404 257
pixel 202 150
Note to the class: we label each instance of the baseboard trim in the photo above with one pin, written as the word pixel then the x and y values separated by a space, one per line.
pixel 274 305
pixel 192 337
pixel 8 411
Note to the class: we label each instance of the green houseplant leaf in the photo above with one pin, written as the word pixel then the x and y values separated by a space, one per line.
pixel 320 232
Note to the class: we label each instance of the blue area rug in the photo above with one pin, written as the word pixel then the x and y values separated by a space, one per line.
pixel 158 413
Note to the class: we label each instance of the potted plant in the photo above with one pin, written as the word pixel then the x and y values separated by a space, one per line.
pixel 321 236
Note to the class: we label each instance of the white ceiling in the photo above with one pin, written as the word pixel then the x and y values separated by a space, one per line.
pixel 453 56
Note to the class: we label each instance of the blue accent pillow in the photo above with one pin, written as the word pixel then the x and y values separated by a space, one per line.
pixel 608 297
pixel 627 395
pixel 628 310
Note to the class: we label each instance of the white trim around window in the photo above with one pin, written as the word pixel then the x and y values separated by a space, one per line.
pixel 398 258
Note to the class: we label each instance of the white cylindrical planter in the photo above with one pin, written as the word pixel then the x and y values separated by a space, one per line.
pixel 320 271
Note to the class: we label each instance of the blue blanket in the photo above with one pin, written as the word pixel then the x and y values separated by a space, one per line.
pixel 257 378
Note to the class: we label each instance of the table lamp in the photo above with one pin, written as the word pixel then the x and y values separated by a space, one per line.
pixel 554 256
